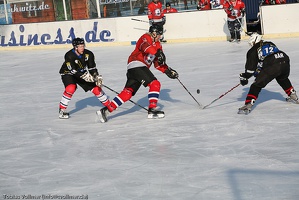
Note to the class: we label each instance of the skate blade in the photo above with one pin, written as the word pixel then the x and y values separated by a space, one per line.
pixel 244 112
pixel 64 117
pixel 155 116
pixel 292 101
pixel 100 117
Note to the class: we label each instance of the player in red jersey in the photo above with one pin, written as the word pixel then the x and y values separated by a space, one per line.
pixel 148 51
pixel 204 5
pixel 273 2
pixel 169 9
pixel 155 15
pixel 235 10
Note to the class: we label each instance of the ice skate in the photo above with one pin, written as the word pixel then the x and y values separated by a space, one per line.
pixel 63 114
pixel 102 114
pixel 232 40
pixel 293 98
pixel 155 114
pixel 245 109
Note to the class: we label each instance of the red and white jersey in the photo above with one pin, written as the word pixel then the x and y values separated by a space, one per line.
pixel 155 12
pixel 144 53
pixel 236 12
pixel 171 10
pixel 275 2
pixel 217 4
pixel 204 4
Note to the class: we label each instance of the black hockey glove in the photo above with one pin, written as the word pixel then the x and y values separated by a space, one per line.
pixel 243 12
pixel 231 7
pixel 151 22
pixel 163 20
pixel 171 73
pixel 243 79
pixel 161 58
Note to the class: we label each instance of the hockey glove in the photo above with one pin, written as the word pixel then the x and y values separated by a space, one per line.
pixel 243 79
pixel 161 58
pixel 151 22
pixel 171 73
pixel 243 12
pixel 87 77
pixel 163 20
pixel 231 7
pixel 98 79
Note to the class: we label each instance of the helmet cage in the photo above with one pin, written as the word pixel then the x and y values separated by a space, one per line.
pixel 254 38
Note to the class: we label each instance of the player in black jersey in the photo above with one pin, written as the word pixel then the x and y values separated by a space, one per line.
pixel 265 62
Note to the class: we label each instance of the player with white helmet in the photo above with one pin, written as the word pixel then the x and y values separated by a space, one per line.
pixel 265 62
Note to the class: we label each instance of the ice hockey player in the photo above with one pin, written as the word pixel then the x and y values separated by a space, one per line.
pixel 265 62
pixel 235 10
pixel 148 51
pixel 79 68
pixel 156 16
pixel 169 9
pixel 204 5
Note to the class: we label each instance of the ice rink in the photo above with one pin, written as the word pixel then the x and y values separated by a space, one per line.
pixel 191 154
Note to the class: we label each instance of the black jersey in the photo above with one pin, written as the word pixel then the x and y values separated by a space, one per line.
pixel 78 65
pixel 264 54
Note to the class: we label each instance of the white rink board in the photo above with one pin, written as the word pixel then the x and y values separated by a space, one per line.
pixel 286 22
pixel 185 26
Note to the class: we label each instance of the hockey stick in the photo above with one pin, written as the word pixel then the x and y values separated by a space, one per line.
pixel 129 99
pixel 189 93
pixel 221 96
pixel 139 20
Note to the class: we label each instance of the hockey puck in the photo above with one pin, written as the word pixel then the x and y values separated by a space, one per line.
pixel 198 91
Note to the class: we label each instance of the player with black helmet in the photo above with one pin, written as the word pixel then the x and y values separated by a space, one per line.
pixel 169 9
pixel 148 51
pixel 79 68
pixel 155 15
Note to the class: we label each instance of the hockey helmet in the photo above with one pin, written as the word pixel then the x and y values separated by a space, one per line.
pixel 156 28
pixel 254 38
pixel 77 41
pixel 168 4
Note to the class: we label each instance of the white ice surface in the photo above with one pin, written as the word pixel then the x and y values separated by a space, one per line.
pixel 191 154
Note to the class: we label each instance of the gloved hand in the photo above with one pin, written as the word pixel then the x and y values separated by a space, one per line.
pixel 231 7
pixel 151 22
pixel 87 77
pixel 243 79
pixel 243 12
pixel 171 73
pixel 163 20
pixel 160 57
pixel 98 79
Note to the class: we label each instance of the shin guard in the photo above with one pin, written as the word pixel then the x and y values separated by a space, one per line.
pixel 121 98
pixel 153 93
pixel 67 96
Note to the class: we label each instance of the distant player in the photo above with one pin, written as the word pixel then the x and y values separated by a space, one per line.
pixel 79 68
pixel 265 62
pixel 204 5
pixel 217 4
pixel 169 9
pixel 148 51
pixel 155 15
pixel 235 10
